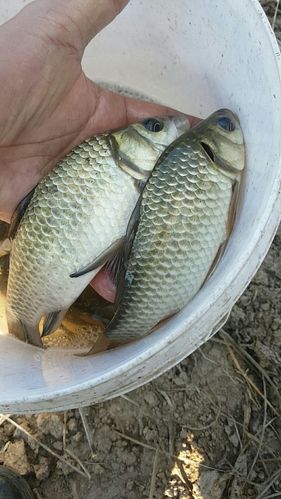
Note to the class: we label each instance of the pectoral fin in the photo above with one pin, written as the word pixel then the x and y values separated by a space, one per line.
pixel 117 266
pixel 123 261
pixel 104 257
pixel 121 282
pixel 18 214
pixel 52 322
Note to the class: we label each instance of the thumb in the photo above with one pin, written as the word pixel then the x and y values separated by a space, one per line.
pixel 81 20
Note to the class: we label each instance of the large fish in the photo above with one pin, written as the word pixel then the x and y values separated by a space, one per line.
pixel 75 219
pixel 180 225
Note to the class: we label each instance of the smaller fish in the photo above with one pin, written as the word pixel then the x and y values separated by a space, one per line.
pixel 74 222
pixel 180 225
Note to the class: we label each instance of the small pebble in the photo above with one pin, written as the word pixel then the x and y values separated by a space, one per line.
pixel 50 424
pixel 15 457
pixel 42 470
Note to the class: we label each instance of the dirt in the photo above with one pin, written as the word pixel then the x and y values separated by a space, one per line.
pixel 209 428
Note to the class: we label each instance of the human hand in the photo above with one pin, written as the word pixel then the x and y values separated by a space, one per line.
pixel 47 103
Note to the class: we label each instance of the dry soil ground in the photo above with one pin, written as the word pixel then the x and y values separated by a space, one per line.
pixel 210 428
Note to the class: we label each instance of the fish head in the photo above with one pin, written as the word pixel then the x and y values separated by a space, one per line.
pixel 222 139
pixel 140 145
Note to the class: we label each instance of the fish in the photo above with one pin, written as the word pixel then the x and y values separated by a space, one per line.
pixel 74 221
pixel 180 225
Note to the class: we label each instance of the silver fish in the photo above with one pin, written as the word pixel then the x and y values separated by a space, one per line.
pixel 75 219
pixel 180 226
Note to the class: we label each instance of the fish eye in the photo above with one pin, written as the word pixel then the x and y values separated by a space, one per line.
pixel 153 125
pixel 226 124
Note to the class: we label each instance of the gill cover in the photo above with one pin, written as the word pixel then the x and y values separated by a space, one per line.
pixel 135 148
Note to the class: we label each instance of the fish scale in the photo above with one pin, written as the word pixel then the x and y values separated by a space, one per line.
pixel 183 222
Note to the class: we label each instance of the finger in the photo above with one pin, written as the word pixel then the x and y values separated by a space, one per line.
pixel 104 285
pixel 82 19
pixel 94 15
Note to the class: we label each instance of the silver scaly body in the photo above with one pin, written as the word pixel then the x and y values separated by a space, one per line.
pixel 185 217
pixel 75 215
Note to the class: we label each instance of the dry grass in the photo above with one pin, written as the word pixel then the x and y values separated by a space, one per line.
pixel 82 470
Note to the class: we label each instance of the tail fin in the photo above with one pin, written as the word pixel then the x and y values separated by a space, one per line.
pixel 23 331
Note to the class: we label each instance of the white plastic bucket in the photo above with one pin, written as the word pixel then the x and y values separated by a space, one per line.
pixel 196 56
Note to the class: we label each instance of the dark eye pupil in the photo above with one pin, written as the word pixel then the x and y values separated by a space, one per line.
pixel 226 124
pixel 153 125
